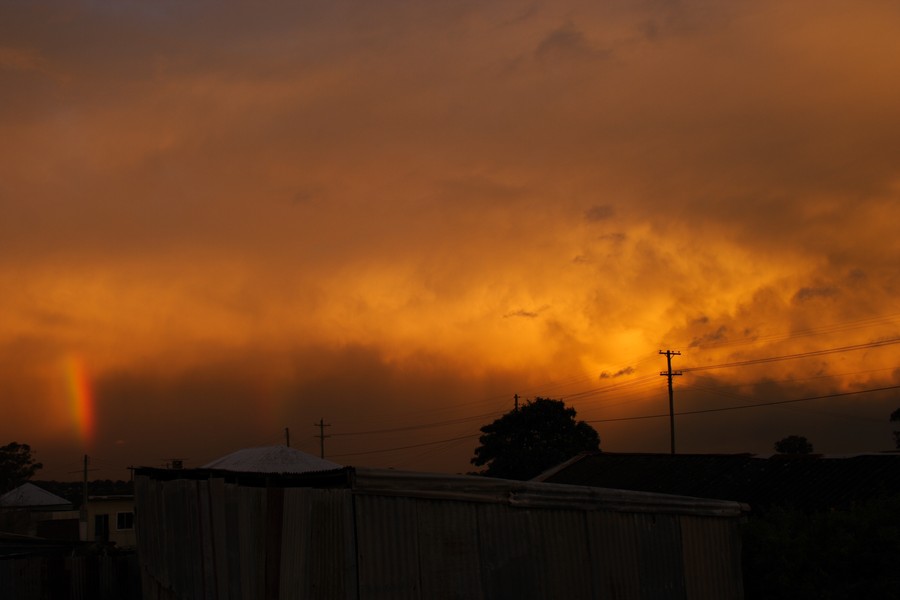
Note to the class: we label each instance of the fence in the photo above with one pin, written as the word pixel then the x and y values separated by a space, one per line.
pixel 111 577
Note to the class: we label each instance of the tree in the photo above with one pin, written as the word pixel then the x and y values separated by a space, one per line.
pixel 17 465
pixel 794 444
pixel 526 442
pixel 895 416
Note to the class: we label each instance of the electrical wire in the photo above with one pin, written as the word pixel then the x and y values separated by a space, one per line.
pixel 544 390
pixel 746 406
pixel 833 328
pixel 640 382
pixel 418 456
pixel 423 426
pixel 633 389
pixel 422 445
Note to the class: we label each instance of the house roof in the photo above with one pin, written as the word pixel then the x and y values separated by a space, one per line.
pixel 271 459
pixel 29 495
pixel 808 482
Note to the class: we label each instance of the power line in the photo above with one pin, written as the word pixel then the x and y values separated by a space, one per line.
pixel 611 387
pixel 755 361
pixel 834 328
pixel 638 382
pixel 418 456
pixel 719 392
pixel 557 387
pixel 423 426
pixel 788 380
pixel 382 450
pixel 631 387
pixel 758 405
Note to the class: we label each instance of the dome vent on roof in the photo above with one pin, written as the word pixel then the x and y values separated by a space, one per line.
pixel 272 459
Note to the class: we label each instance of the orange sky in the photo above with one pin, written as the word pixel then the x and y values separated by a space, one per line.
pixel 236 219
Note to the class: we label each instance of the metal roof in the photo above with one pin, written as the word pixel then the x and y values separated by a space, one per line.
pixel 529 494
pixel 271 459
pixel 28 494
pixel 362 481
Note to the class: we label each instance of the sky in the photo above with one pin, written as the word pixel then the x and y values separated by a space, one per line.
pixel 224 219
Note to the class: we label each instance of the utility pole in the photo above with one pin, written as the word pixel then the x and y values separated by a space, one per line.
pixel 83 513
pixel 516 400
pixel 287 437
pixel 669 373
pixel 83 520
pixel 321 425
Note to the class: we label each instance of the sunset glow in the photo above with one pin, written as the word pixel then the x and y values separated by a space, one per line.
pixel 396 216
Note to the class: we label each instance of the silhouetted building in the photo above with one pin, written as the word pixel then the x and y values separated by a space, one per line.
pixel 111 519
pixel 33 511
pixel 373 533
pixel 807 482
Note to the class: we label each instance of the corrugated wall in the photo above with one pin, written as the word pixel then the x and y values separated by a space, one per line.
pixel 712 558
pixel 216 540
pixel 449 560
pixel 615 555
pixel 212 539
pixel 421 548
pixel 525 550
pixel 387 547
pixel 103 577
pixel 318 557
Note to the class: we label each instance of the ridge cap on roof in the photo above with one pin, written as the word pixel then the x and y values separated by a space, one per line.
pixel 564 465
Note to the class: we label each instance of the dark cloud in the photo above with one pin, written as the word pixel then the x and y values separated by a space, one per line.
pixel 710 337
pixel 526 314
pixel 599 213
pixel 615 238
pixel 619 373
pixel 809 293
pixel 306 196
pixel 566 42
pixel 188 192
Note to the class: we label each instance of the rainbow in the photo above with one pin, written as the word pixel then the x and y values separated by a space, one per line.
pixel 81 400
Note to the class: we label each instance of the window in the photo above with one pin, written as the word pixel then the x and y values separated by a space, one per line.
pixel 124 520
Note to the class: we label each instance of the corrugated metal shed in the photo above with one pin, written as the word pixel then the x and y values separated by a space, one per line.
pixel 379 534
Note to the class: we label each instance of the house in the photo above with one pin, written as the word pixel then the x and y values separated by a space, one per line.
pixel 33 511
pixel 280 531
pixel 43 553
pixel 111 519
pixel 807 482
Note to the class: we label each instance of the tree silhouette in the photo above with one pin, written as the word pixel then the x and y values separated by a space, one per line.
pixel 793 444
pixel 17 465
pixel 525 442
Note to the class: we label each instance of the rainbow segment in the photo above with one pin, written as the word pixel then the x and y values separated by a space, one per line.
pixel 81 400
